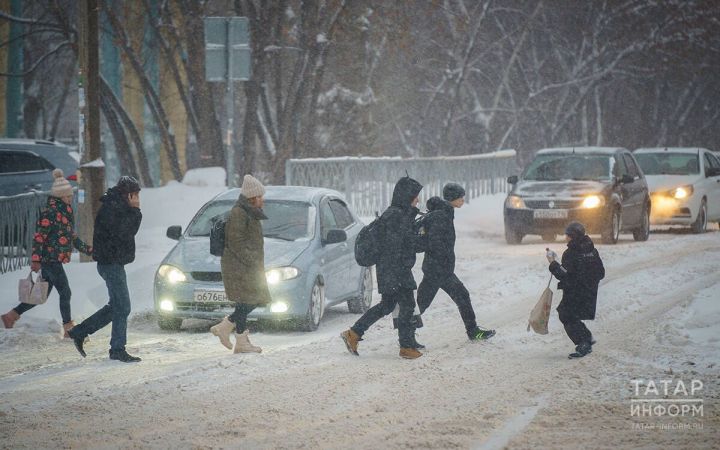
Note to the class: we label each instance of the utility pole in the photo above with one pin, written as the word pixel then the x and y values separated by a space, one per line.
pixel 92 169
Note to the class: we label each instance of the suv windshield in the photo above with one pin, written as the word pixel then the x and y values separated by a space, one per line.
pixel 669 163
pixel 566 166
pixel 287 220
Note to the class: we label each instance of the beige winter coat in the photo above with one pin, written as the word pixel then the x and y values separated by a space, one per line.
pixel 243 260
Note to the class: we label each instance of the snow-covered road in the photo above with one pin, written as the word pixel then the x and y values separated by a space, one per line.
pixel 658 319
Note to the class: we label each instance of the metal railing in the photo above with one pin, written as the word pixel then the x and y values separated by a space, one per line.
pixel 368 183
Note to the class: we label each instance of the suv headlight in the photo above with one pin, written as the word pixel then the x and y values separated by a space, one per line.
pixel 171 274
pixel 681 192
pixel 515 202
pixel 274 276
pixel 593 201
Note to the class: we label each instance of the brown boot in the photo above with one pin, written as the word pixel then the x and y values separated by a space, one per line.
pixel 67 327
pixel 10 318
pixel 410 353
pixel 351 339
pixel 243 345
pixel 223 331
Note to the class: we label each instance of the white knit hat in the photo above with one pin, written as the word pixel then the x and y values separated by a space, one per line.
pixel 251 187
pixel 61 187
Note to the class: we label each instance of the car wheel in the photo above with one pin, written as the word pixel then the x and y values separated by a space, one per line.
pixel 169 323
pixel 700 224
pixel 549 237
pixel 512 237
pixel 362 303
pixel 611 233
pixel 643 233
pixel 316 308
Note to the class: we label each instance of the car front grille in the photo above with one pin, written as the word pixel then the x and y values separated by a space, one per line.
pixel 557 204
pixel 207 276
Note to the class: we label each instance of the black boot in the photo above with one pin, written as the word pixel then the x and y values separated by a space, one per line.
pixel 581 350
pixel 122 355
pixel 416 344
pixel 79 341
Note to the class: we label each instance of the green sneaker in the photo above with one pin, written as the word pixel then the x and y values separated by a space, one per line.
pixel 480 335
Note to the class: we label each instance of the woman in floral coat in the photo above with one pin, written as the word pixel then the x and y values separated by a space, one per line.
pixel 52 247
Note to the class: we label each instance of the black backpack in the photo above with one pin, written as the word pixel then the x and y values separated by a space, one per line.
pixel 217 233
pixel 367 245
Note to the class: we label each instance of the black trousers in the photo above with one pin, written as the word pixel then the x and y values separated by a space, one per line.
pixel 452 285
pixel 239 316
pixel 402 297
pixel 575 328
pixel 54 274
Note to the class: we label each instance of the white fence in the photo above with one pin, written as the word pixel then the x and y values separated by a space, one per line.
pixel 368 182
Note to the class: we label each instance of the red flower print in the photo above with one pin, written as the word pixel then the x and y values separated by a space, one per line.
pixel 39 238
pixel 69 209
pixel 44 223
pixel 63 240
pixel 64 220
pixel 58 216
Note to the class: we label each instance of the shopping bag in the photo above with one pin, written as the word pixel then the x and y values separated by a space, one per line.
pixel 32 292
pixel 416 318
pixel 540 314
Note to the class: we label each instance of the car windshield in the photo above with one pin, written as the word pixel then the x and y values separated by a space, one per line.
pixel 664 163
pixel 556 167
pixel 287 220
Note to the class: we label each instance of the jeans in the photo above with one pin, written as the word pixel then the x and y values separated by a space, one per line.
pixel 406 300
pixel 239 316
pixel 54 274
pixel 575 328
pixel 116 311
pixel 456 290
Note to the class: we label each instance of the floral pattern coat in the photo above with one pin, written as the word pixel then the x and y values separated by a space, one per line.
pixel 55 236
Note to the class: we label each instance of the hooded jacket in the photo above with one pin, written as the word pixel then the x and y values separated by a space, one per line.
pixel 116 225
pixel 439 228
pixel 55 236
pixel 579 274
pixel 398 239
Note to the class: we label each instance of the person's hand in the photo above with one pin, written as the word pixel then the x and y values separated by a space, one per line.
pixel 35 266
pixel 550 255
pixel 134 199
pixel 89 250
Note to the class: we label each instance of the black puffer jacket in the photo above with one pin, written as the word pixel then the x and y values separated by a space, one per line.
pixel 115 227
pixel 579 275
pixel 398 240
pixel 439 228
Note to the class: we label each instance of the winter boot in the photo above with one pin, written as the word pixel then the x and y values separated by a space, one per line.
pixel 223 330
pixel 479 334
pixel 351 339
pixel 123 356
pixel 67 327
pixel 243 345
pixel 416 344
pixel 10 318
pixel 581 350
pixel 409 353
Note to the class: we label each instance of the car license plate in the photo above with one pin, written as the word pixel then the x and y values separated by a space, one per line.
pixel 205 296
pixel 550 214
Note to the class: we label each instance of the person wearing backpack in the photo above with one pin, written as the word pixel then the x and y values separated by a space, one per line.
pixel 243 266
pixel 579 272
pixel 53 243
pixel 397 244
pixel 438 228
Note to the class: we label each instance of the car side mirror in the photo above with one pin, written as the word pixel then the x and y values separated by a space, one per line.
pixel 335 236
pixel 513 179
pixel 174 232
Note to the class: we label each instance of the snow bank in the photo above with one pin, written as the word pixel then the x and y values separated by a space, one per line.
pixel 208 176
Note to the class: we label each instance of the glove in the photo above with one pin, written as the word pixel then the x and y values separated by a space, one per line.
pixel 35 266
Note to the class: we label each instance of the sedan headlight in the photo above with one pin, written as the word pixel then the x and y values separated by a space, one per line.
pixel 171 274
pixel 274 276
pixel 593 201
pixel 515 202
pixel 681 192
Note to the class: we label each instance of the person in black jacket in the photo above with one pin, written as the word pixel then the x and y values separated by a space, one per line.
pixel 398 243
pixel 439 265
pixel 579 274
pixel 116 224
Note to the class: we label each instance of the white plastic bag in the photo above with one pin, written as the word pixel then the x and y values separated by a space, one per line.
pixel 540 314
pixel 32 292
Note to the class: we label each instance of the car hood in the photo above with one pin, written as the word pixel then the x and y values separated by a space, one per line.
pixel 659 183
pixel 193 254
pixel 559 189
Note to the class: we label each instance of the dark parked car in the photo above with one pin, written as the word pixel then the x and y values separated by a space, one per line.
pixel 602 187
pixel 27 165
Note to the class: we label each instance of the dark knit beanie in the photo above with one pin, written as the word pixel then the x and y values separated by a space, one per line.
pixel 453 191
pixel 575 230
pixel 128 185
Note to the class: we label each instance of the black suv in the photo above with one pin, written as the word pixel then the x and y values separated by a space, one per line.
pixel 27 165
pixel 601 187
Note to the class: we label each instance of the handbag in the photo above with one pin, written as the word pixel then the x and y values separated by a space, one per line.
pixel 540 314
pixel 33 292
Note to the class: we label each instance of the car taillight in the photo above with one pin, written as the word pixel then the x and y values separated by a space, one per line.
pixel 72 178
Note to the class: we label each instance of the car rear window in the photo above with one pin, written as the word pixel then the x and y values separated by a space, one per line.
pixel 15 162
pixel 566 166
pixel 667 163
